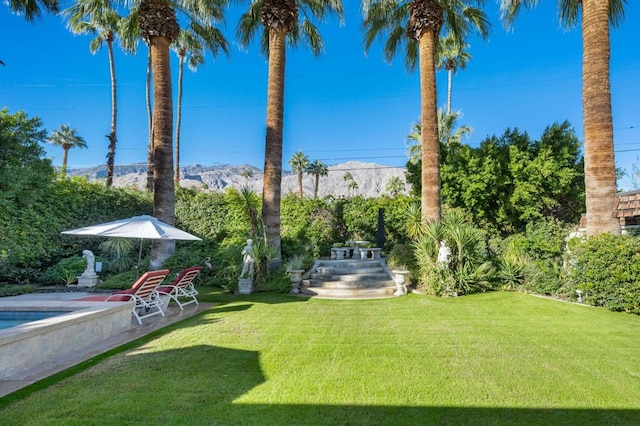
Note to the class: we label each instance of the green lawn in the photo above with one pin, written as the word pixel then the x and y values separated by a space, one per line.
pixel 497 358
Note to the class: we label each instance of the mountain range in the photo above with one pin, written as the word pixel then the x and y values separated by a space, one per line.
pixel 370 179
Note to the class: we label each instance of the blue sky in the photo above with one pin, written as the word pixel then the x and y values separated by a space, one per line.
pixel 339 107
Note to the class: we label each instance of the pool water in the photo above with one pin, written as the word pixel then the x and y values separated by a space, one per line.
pixel 10 319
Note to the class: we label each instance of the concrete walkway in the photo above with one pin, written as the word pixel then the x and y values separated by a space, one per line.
pixel 172 314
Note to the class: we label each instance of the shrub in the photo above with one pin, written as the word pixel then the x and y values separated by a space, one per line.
pixel 276 281
pixel 195 253
pixel 64 272
pixel 15 289
pixel 532 260
pixel 121 281
pixel 607 269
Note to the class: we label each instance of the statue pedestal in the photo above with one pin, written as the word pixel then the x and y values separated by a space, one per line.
pixel 245 285
pixel 87 280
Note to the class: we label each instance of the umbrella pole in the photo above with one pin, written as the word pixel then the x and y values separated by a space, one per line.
pixel 139 259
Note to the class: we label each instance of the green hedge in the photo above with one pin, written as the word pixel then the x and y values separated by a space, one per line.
pixel 31 240
pixel 607 269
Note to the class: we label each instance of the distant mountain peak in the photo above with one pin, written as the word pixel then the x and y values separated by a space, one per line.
pixel 371 178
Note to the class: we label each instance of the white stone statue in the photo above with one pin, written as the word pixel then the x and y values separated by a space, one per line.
pixel 91 268
pixel 248 260
pixel 444 254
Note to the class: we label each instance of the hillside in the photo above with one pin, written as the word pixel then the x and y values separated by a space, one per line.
pixel 371 178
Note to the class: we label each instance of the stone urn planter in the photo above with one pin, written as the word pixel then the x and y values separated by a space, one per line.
pixel 400 277
pixel 295 275
pixel 295 269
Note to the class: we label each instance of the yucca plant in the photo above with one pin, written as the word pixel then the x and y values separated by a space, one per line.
pixel 511 264
pixel 469 270
pixel 118 254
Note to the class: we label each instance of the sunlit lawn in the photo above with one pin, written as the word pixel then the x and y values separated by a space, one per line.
pixel 498 358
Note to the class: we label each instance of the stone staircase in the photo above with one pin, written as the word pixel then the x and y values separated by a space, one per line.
pixel 348 279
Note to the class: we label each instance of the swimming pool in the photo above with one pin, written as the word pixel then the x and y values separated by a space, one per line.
pixel 10 319
pixel 43 341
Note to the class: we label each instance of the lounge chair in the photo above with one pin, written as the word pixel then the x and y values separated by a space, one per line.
pixel 147 301
pixel 183 287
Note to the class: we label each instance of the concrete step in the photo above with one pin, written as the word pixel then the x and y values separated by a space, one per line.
pixel 351 263
pixel 341 270
pixel 349 293
pixel 342 284
pixel 350 277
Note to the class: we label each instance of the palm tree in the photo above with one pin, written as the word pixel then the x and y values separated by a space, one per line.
pixel 192 44
pixel 282 24
pixel 158 28
pixel 32 9
pixel 452 55
pixel 395 186
pixel 97 17
pixel 299 163
pixel 448 131
pixel 351 183
pixel 421 21
pixel 317 169
pixel 246 174
pixel 149 186
pixel 66 138
pixel 599 161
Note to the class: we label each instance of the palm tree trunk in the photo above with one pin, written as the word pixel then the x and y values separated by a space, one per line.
pixel 176 175
pixel 599 168
pixel 150 120
pixel 300 183
pixel 271 192
pixel 65 156
pixel 449 86
pixel 429 122
pixel 315 189
pixel 163 194
pixel 111 155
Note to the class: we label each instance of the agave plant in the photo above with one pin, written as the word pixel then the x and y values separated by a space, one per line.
pixel 295 263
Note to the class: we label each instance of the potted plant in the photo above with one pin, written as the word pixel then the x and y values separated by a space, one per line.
pixel 295 268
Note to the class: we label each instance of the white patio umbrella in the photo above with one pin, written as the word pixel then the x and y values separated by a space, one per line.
pixel 144 227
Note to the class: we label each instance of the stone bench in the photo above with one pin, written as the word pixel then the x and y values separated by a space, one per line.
pixel 375 253
pixel 339 253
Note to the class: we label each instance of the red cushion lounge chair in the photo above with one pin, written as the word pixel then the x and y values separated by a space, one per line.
pixel 144 294
pixel 182 286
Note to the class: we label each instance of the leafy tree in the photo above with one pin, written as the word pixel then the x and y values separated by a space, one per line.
pixel 415 25
pixel 282 24
pixel 23 168
pixel 66 138
pixel 511 180
pixel 600 171
pixel 317 169
pixel 192 44
pixel 299 163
